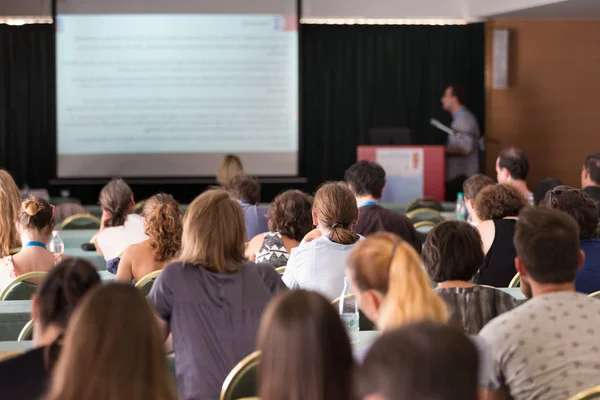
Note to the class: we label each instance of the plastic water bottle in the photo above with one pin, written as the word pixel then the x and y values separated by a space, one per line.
pixel 349 312
pixel 461 208
pixel 57 246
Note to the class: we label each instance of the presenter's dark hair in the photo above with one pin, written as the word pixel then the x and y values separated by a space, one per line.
pixel 244 188
pixel 116 198
pixel 592 166
pixel 516 162
pixel 366 178
pixel 459 92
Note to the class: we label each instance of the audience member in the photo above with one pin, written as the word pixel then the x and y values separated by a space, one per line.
pixel 230 166
pixel 543 187
pixel 420 361
pixel 289 220
pixel 584 210
pixel 25 377
pixel 548 347
pixel 211 300
pixel 318 263
pixel 120 226
pixel 471 188
pixel 366 179
pixel 451 255
pixel 246 190
pixel 35 223
pixel 163 228
pixel 512 168
pixel 317 363
pixel 112 351
pixel 498 207
pixel 10 202
pixel 590 177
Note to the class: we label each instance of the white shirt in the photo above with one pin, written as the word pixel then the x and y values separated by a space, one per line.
pixel 318 265
pixel 114 240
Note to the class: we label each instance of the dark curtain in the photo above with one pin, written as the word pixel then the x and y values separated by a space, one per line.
pixel 353 78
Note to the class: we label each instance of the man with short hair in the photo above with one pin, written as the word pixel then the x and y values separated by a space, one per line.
pixel 512 168
pixel 246 190
pixel 471 188
pixel 547 348
pixel 366 179
pixel 590 177
pixel 462 149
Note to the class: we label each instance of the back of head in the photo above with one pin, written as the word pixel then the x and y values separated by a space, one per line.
pixel 499 201
pixel 214 232
pixel 62 289
pixel 592 166
pixel 421 361
pixel 112 350
pixel 460 92
pixel 290 214
pixel 244 188
pixel 515 161
pixel 317 363
pixel 10 201
pixel 547 242
pixel 475 184
pixel 230 166
pixel 116 198
pixel 36 215
pixel 452 251
pixel 383 262
pixel 163 226
pixel 366 178
pixel 543 187
pixel 578 204
pixel 336 209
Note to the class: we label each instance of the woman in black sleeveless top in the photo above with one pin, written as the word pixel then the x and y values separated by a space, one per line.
pixel 498 207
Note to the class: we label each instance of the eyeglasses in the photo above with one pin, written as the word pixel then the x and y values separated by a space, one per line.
pixel 557 192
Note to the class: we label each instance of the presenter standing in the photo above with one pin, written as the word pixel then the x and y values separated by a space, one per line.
pixel 462 149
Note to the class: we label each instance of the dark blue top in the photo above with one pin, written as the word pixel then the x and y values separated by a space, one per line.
pixel 588 277
pixel 256 220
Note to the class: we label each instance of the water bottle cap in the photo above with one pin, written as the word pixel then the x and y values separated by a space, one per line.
pixel 55 233
pixel 460 194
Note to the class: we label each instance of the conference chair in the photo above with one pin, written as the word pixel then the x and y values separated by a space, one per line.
pixel 145 284
pixel 595 295
pixel 424 202
pixel 19 289
pixel 425 214
pixel 80 221
pixel 242 381
pixel 10 354
pixel 280 270
pixel 139 206
pixel 26 332
pixel 593 393
pixel 14 251
pixel 423 228
pixel 364 323
pixel 515 282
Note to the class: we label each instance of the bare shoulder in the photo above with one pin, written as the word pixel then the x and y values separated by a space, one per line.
pixel 135 250
pixel 486 227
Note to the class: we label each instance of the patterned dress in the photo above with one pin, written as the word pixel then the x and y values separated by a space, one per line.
pixel 272 251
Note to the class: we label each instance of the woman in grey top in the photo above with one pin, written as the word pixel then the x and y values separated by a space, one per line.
pixel 212 299
pixel 452 254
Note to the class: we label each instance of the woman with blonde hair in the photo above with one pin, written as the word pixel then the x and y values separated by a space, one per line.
pixel 129 363
pixel 212 298
pixel 10 201
pixel 35 224
pixel 318 263
pixel 163 228
pixel 230 166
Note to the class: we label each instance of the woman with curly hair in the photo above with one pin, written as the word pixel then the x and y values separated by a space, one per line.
pixel 10 201
pixel 498 206
pixel 289 220
pixel 163 227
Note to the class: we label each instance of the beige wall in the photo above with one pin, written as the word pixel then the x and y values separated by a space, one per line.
pixel 552 108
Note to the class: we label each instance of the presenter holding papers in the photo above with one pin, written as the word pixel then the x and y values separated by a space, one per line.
pixel 462 149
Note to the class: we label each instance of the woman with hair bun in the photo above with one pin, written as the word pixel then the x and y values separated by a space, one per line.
pixel 163 228
pixel 35 224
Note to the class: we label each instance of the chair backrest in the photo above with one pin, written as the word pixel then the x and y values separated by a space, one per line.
pixel 364 323
pixel 425 214
pixel 19 289
pixel 593 393
pixel 595 295
pixel 80 221
pixel 423 228
pixel 139 206
pixel 10 354
pixel 14 251
pixel 26 332
pixel 242 381
pixel 145 284
pixel 515 281
pixel 280 270
pixel 424 202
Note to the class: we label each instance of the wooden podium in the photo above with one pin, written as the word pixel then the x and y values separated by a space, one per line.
pixel 411 171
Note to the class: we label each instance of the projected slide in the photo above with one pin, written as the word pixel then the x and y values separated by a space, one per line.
pixel 168 95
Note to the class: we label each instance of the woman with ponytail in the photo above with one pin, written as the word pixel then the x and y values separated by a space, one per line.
pixel 318 263
pixel 163 227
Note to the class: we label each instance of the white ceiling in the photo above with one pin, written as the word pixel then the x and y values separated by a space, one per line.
pixel 571 9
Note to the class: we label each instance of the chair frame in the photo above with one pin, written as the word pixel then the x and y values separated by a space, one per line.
pixel 595 294
pixel 584 394
pixel 236 371
pixel 139 206
pixel 410 215
pixel 515 282
pixel 421 224
pixel 10 354
pixel 14 250
pixel 27 329
pixel 281 270
pixel 75 217
pixel 147 278
pixel 19 279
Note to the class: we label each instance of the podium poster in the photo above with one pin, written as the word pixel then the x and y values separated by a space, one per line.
pixel 411 171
